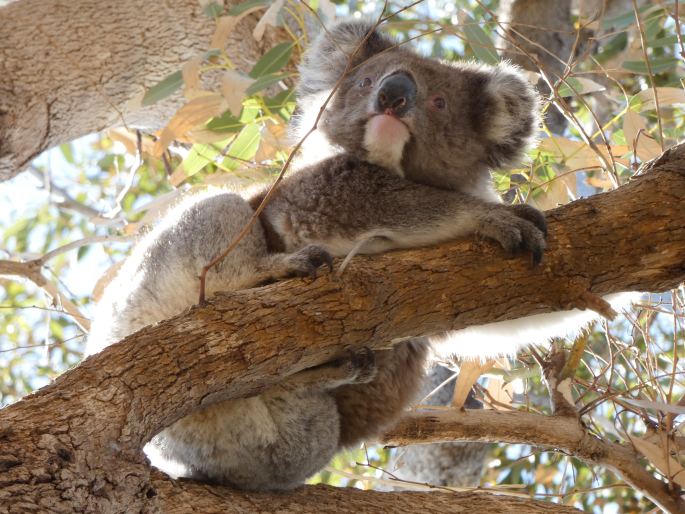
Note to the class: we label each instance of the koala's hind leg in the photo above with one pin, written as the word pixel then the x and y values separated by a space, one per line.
pixel 301 263
pixel 358 367
pixel 366 410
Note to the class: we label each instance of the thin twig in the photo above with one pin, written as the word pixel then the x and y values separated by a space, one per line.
pixel 643 43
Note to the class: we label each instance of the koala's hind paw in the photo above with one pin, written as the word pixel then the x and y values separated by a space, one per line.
pixel 307 260
pixel 363 365
pixel 359 367
pixel 518 228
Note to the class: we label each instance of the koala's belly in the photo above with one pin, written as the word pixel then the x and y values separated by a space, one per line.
pixel 272 441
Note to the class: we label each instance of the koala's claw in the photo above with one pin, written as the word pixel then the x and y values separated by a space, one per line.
pixel 362 365
pixel 531 214
pixel 516 229
pixel 308 260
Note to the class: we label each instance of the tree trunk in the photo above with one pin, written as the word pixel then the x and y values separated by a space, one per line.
pixel 75 445
pixel 72 67
pixel 543 30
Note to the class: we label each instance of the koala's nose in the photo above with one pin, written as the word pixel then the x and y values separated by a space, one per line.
pixel 396 94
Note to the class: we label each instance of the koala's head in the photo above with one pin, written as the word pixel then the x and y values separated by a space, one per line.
pixel 435 122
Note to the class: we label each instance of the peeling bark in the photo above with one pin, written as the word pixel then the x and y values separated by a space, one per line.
pixel 75 445
pixel 72 67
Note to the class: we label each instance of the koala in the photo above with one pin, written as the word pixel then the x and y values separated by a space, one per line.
pixel 408 144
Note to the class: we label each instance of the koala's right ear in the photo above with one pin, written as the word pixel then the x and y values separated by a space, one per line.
pixel 325 61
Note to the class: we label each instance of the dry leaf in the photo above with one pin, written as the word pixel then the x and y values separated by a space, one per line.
pixel 667 96
pixel 469 372
pixel 105 279
pixel 273 138
pixel 132 228
pixel 191 77
pixel 635 131
pixel 130 140
pixel 234 86
pixel 577 155
pixel 205 136
pixel 270 17
pixel 559 190
pixel 189 116
pixel 664 463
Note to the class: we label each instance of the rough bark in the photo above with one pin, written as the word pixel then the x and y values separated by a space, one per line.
pixel 73 67
pixel 544 30
pixel 75 445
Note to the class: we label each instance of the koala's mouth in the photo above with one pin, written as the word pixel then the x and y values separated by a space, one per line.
pixel 384 139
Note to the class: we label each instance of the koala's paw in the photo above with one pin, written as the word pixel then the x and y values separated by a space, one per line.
pixel 517 228
pixel 531 214
pixel 359 366
pixel 364 363
pixel 306 261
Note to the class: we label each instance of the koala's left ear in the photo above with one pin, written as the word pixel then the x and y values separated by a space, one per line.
pixel 325 61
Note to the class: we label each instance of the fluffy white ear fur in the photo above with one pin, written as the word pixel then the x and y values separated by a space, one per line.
pixel 507 337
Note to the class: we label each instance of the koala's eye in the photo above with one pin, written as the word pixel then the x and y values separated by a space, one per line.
pixel 439 102
pixel 366 82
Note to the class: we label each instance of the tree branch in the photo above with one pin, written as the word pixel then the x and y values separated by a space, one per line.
pixel 97 79
pixel 242 342
pixel 561 433
pixel 246 340
pixel 326 499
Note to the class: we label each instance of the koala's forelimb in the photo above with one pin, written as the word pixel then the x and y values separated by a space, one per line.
pixel 267 197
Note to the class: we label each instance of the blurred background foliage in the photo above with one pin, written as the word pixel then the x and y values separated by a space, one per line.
pixel 621 94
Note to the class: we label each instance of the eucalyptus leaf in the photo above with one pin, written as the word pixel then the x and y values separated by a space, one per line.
pixel 246 6
pixel 266 81
pixel 480 42
pixel 272 61
pixel 166 87
pixel 225 123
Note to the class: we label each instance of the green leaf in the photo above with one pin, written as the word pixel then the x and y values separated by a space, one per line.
pixel 615 45
pixel 200 155
pixel 282 103
pixel 664 41
pixel 244 146
pixel 658 65
pixel 225 123
pixel 266 81
pixel 68 152
pixel 213 10
pixel 81 252
pixel 625 20
pixel 251 109
pixel 273 60
pixel 163 89
pixel 246 6
pixel 479 41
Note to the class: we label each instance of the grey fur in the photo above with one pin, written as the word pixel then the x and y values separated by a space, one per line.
pixel 431 186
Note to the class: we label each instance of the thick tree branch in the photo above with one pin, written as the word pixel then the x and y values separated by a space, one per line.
pixel 563 433
pixel 97 416
pixel 326 499
pixel 91 79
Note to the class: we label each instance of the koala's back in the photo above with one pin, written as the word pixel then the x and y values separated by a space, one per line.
pixel 160 277
pixel 272 441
